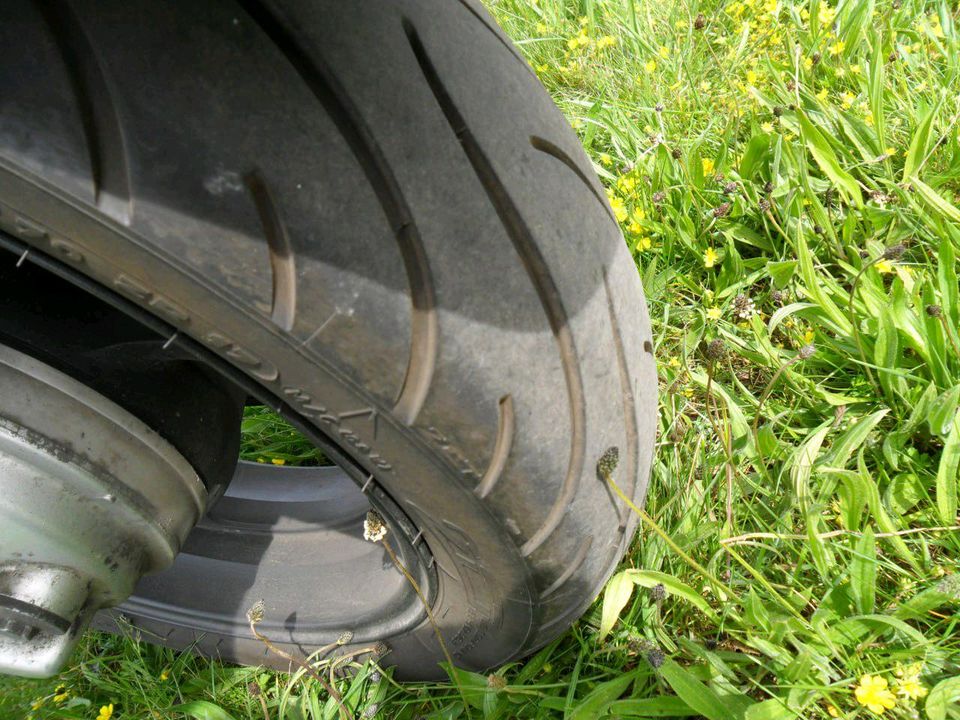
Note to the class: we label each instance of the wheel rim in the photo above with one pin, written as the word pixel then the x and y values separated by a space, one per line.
pixel 286 535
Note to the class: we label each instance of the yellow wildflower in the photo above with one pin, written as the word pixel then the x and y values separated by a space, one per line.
pixel 664 52
pixel 164 675
pixel 855 69
pixel 837 47
pixel 674 362
pixel 542 68
pixel 873 693
pixel 752 77
pixel 605 159
pixel 278 461
pixel 822 95
pixel 619 208
pixel 891 151
pixel 541 28
pixel 807 63
pixel 827 15
pixel 832 711
pixel 606 41
pixel 650 66
pixel 710 257
pixel 847 99
pixel 106 712
pixel 37 704
pixel 707 165
pixel 808 336
pixel 767 127
pixel 908 684
pixel 644 243
pixel 884 266
pixel 714 313
pixel 61 696
pixel 573 43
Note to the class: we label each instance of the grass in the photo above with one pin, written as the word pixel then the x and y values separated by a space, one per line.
pixel 786 177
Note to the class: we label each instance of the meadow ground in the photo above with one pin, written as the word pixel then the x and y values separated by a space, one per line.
pixel 786 175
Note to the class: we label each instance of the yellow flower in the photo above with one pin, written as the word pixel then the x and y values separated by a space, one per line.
pixel 847 99
pixel 106 712
pixel 767 127
pixel 650 66
pixel 714 313
pixel 827 15
pixel 573 43
pixel 752 77
pixel 855 69
pixel 837 47
pixel 911 688
pixel 808 337
pixel 873 693
pixel 61 696
pixel 674 362
pixel 542 68
pixel 37 704
pixel 884 266
pixel 541 28
pixel 822 95
pixel 707 165
pixel 710 257
pixel 664 52
pixel 606 41
pixel 164 676
pixel 807 63
pixel 891 151
pixel 278 461
pixel 909 685
pixel 619 208
pixel 605 159
pixel 644 243
pixel 832 711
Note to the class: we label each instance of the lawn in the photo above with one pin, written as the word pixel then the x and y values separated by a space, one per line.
pixel 786 176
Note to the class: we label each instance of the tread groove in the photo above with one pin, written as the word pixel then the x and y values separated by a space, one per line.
pixel 331 95
pixel 549 148
pixel 540 277
pixel 578 559
pixel 629 402
pixel 501 449
pixel 283 267
pixel 106 145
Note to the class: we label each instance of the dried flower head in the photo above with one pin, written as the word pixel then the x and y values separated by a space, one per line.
pixel 676 153
pixel 608 461
pixel 894 252
pixel 700 22
pixel 345 637
pixel 656 657
pixel 743 307
pixel 934 311
pixel 763 204
pixel 496 682
pixel 714 349
pixel 256 611
pixel 374 528
pixel 722 210
pixel 807 351
pixel 778 297
pixel 730 188
pixel 659 196
pixel 658 592
pixel 253 689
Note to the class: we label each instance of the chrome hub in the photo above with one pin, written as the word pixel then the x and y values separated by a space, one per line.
pixel 91 499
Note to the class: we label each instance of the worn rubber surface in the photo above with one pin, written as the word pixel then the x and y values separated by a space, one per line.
pixel 376 212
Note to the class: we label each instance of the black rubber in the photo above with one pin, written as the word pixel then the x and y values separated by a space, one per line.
pixel 374 210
